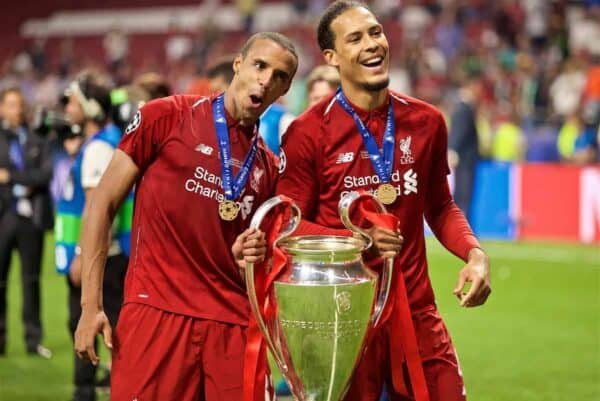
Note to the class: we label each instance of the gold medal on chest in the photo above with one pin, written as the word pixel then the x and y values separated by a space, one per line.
pixel 386 193
pixel 228 210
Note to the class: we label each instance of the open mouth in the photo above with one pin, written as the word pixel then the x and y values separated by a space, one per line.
pixel 256 100
pixel 373 62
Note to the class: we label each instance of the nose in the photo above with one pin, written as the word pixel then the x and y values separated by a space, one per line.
pixel 371 43
pixel 265 78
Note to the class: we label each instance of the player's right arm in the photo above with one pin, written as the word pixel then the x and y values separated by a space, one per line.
pixel 299 174
pixel 101 208
pixel 138 148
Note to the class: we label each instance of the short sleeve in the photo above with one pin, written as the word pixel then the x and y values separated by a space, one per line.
pixel 96 157
pixel 147 131
pixel 297 167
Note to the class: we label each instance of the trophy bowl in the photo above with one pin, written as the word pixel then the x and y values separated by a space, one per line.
pixel 325 303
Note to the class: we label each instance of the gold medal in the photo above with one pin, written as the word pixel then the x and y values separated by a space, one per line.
pixel 228 210
pixel 386 193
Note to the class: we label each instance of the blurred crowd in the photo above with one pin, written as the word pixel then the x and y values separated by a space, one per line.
pixel 532 66
pixel 516 80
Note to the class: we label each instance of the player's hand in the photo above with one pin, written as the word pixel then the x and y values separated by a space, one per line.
pixel 75 272
pixel 476 272
pixel 249 247
pixel 386 243
pixel 90 324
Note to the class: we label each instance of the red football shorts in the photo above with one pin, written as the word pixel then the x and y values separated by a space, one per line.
pixel 440 364
pixel 163 356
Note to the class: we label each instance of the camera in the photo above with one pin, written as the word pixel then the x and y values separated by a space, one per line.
pixel 46 122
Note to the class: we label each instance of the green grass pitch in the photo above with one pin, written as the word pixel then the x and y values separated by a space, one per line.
pixel 537 338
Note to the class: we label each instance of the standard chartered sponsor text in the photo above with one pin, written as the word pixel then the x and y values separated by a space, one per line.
pixel 198 184
pixel 353 182
pixel 408 181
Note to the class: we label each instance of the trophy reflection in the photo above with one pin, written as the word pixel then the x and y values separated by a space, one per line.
pixel 325 301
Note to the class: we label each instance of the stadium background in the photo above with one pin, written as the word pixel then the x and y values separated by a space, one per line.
pixel 538 338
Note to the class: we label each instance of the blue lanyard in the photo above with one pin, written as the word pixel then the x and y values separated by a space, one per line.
pixel 231 187
pixel 382 164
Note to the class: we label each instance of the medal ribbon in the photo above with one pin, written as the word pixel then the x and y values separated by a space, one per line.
pixel 231 187
pixel 382 164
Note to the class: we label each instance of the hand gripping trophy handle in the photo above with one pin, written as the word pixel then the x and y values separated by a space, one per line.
pixel 386 276
pixel 256 221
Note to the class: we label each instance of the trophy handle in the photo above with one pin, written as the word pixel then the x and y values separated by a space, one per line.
pixel 386 275
pixel 344 211
pixel 256 221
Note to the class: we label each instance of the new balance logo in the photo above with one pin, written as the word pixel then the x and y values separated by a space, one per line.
pixel 344 158
pixel 205 149
pixel 410 182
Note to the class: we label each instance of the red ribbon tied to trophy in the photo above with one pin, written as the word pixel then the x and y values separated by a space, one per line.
pixel 403 341
pixel 255 358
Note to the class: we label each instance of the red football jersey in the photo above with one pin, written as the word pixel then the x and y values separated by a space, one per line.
pixel 323 158
pixel 181 257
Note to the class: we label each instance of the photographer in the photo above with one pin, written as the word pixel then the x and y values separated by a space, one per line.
pixel 88 110
pixel 25 212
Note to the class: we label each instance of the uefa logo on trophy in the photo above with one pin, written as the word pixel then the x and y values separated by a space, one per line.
pixel 324 301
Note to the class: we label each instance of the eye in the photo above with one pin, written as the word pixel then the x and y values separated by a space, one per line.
pixel 259 64
pixel 376 31
pixel 280 76
pixel 354 38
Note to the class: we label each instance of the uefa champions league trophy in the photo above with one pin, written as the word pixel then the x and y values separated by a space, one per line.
pixel 325 304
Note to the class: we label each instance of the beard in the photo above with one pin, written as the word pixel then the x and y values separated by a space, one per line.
pixel 376 86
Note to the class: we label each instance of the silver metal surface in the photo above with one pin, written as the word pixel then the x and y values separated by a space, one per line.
pixel 325 304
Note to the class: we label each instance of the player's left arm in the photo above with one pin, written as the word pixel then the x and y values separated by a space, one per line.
pixel 452 229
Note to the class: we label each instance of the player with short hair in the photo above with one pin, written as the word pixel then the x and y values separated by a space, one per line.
pixel 220 74
pixel 322 81
pixel 200 171
pixel 88 111
pixel 367 137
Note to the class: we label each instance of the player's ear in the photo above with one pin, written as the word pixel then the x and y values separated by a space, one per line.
pixel 237 61
pixel 331 57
